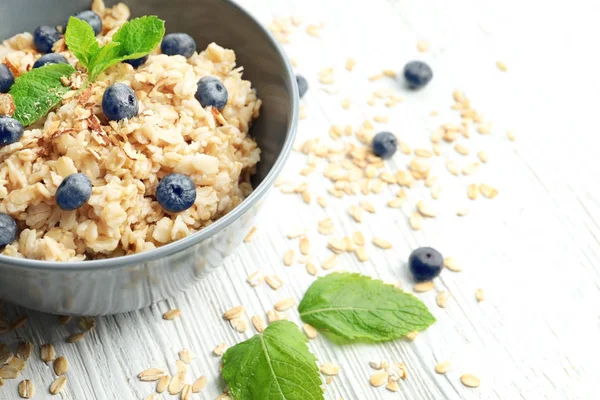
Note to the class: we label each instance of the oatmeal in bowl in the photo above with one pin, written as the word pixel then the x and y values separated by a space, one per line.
pixel 116 139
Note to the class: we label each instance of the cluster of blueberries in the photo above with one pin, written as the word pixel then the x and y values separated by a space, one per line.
pixel 175 192
pixel 417 74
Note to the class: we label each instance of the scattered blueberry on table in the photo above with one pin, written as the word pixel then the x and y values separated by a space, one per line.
pixel 178 44
pixel 50 58
pixel 6 78
pixel 73 192
pixel 137 62
pixel 417 74
pixel 11 131
pixel 44 38
pixel 384 144
pixel 91 18
pixel 119 102
pixel 425 263
pixel 176 192
pixel 302 85
pixel 211 92
pixel 8 229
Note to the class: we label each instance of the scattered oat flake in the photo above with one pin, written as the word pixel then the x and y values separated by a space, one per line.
pixel 250 235
pixel 274 281
pixel 58 385
pixel 220 349
pixel 483 156
pixel 150 375
pixel 326 76
pixel 288 257
pixel 361 254
pixel 233 313
pixel 47 353
pixel 425 209
pixel 501 66
pixel 172 314
pixel 461 149
pixel 76 337
pixel 488 191
pixel 329 369
pixel 511 136
pixel 442 299
pixel 479 295
pixel 176 385
pixel 314 30
pixel 381 243
pixel 309 331
pixel 345 103
pixel 311 268
pixel 443 367
pixel 350 63
pixel 199 384
pixel 26 389
pixel 322 202
pixel 258 323
pixel 462 212
pixel 61 365
pixel 415 220
pixel 472 191
pixel 452 265
pixel 304 246
pixel 470 380
pixel 379 378
pixel 25 349
pixel 411 335
pixel 382 119
pixel 367 206
pixel 255 278
pixel 163 384
pixel 423 46
pixel 285 304
pixel 375 77
pixel 422 287
pixel 330 262
pixel 186 356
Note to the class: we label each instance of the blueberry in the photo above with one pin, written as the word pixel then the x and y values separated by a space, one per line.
pixel 73 192
pixel 178 44
pixel 384 144
pixel 8 229
pixel 6 78
pixel 176 193
pixel 119 102
pixel 137 62
pixel 425 263
pixel 302 85
pixel 211 92
pixel 44 38
pixel 11 131
pixel 50 58
pixel 91 18
pixel 417 74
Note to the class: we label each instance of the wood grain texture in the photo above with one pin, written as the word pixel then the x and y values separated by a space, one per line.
pixel 534 249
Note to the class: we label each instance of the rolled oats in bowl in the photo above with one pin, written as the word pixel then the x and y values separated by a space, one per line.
pixel 136 123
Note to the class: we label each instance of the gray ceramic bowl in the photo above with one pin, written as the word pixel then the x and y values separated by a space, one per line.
pixel 128 283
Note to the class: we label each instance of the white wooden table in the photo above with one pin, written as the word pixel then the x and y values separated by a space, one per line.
pixel 534 249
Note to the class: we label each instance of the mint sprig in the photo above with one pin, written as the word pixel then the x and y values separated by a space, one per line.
pixel 274 365
pixel 353 307
pixel 38 91
pixel 135 39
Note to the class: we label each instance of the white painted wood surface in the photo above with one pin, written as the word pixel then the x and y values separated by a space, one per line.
pixel 534 249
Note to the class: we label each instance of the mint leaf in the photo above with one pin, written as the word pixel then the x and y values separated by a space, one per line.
pixel 38 91
pixel 354 307
pixel 274 365
pixel 81 40
pixel 139 36
pixel 135 39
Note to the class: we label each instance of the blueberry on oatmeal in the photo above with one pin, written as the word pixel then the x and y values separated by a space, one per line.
pixel 6 78
pixel 44 38
pixel 211 92
pixel 425 263
pixel 178 44
pixel 176 193
pixel 302 85
pixel 119 102
pixel 417 74
pixel 8 229
pixel 91 18
pixel 137 62
pixel 73 192
pixel 384 144
pixel 50 58
pixel 11 131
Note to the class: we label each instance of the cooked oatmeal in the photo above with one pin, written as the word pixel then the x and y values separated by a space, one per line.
pixel 125 160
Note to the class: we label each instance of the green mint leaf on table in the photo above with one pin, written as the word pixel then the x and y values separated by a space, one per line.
pixel 38 91
pixel 273 365
pixel 81 40
pixel 135 39
pixel 353 307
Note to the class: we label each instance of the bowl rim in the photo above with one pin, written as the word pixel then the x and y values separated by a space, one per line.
pixel 221 223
